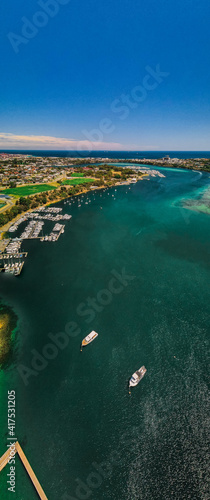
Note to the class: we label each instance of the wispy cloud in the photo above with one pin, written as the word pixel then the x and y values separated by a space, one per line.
pixel 13 141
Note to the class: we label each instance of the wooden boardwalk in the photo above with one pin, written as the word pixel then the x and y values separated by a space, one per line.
pixel 6 457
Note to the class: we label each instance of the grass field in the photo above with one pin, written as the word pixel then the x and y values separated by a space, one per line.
pixel 74 182
pixel 27 190
pixel 77 174
pixel 2 205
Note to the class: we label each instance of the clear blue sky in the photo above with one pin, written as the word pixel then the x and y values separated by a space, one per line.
pixel 75 71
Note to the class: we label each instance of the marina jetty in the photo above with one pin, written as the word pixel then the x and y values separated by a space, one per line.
pixel 12 257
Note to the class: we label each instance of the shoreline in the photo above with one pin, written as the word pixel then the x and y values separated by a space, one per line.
pixel 4 229
pixel 159 163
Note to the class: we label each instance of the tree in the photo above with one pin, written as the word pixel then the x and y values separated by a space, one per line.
pixel 25 202
pixel 12 184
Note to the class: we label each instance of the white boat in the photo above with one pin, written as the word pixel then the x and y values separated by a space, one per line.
pixel 87 340
pixel 137 376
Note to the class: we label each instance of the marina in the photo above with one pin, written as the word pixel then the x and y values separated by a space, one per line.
pixel 12 259
pixel 12 253
pixel 53 214
pixel 55 233
pixel 32 230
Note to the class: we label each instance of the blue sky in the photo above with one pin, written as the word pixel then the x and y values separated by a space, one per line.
pixel 63 85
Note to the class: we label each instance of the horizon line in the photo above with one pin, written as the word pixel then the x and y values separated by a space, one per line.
pixel 113 150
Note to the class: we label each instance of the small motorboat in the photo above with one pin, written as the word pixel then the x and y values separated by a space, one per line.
pixel 136 377
pixel 87 340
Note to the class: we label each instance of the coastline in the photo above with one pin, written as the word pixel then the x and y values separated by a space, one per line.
pixel 4 229
pixel 181 164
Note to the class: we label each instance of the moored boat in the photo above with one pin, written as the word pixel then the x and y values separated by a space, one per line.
pixel 137 376
pixel 90 337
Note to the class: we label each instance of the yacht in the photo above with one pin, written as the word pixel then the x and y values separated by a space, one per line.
pixel 87 340
pixel 137 376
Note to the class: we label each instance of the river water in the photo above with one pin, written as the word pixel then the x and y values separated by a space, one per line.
pixel 133 264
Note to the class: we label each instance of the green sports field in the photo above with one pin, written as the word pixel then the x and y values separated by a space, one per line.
pixel 74 182
pixel 77 174
pixel 27 190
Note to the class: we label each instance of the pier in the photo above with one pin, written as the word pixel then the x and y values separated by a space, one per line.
pixel 12 263
pixel 16 255
pixel 13 268
pixel 5 459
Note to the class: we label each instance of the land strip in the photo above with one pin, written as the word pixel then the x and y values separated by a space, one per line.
pixel 28 182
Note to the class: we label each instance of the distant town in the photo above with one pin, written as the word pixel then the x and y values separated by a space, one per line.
pixel 20 169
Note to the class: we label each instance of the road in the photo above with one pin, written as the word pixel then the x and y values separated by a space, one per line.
pixel 9 203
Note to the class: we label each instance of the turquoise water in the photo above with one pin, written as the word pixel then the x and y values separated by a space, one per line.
pixel 75 414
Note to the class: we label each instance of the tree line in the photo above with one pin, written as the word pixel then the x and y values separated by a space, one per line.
pixel 25 203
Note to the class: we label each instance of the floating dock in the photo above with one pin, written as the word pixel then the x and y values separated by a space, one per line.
pixel 5 459
pixel 11 255
pixel 13 269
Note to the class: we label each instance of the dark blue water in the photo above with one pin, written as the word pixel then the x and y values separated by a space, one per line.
pixel 114 154
pixel 75 419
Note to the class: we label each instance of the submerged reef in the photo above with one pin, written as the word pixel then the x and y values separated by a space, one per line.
pixel 8 323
